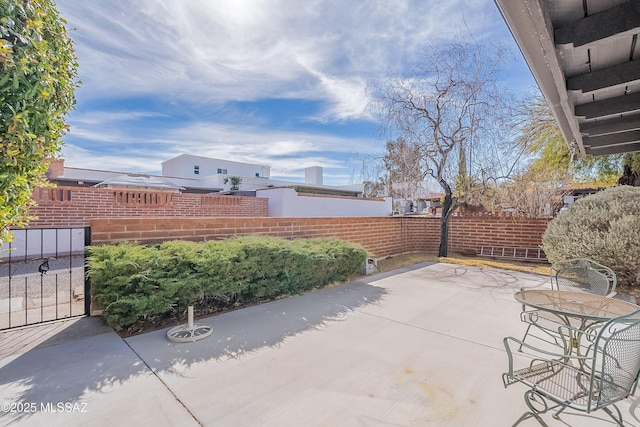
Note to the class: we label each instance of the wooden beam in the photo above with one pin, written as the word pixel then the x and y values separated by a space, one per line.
pixel 599 26
pixel 611 76
pixel 604 127
pixel 613 149
pixel 613 139
pixel 607 107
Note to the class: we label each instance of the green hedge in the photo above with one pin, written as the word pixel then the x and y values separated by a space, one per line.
pixel 133 282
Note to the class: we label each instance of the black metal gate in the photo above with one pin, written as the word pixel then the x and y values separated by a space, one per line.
pixel 42 276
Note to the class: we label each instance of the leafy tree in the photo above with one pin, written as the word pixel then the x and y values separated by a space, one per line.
pixel 440 111
pixel 543 140
pixel 537 188
pixel 38 77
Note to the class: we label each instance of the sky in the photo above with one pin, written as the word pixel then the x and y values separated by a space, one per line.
pixel 281 83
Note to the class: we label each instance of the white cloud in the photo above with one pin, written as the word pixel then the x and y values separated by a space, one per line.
pixel 203 56
pixel 78 157
pixel 214 51
pixel 287 152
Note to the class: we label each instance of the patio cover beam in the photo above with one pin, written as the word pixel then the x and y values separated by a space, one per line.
pixel 604 127
pixel 608 107
pixel 615 75
pixel 613 149
pixel 590 29
pixel 618 138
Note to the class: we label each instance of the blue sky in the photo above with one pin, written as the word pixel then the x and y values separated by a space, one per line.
pixel 279 83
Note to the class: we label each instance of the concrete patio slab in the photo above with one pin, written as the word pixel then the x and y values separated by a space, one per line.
pixel 84 375
pixel 420 346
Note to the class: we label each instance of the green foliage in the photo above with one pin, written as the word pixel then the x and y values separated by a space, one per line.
pixel 633 161
pixel 604 227
pixel 133 282
pixel 235 182
pixel 542 138
pixel 37 83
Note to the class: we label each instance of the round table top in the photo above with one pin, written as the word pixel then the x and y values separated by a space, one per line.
pixel 576 304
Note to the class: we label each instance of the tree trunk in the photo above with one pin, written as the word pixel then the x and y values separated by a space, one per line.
pixel 447 208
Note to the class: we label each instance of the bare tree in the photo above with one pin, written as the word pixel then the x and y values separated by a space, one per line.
pixel 532 194
pixel 440 112
pixel 369 170
pixel 402 163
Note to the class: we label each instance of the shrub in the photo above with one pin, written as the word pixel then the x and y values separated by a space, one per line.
pixel 604 227
pixel 38 77
pixel 133 282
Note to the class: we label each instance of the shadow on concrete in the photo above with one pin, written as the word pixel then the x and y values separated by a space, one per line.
pixel 267 325
pixel 88 356
pixel 85 355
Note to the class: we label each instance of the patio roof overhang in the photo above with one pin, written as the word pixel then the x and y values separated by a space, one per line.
pixel 585 57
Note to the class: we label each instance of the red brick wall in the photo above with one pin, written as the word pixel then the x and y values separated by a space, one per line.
pixel 153 216
pixel 470 232
pixel 381 236
pixel 77 206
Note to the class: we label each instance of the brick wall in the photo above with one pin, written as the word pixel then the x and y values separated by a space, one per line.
pixel 76 206
pixel 469 232
pixel 381 236
pixel 153 216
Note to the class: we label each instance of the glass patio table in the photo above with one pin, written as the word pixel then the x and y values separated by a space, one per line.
pixel 589 309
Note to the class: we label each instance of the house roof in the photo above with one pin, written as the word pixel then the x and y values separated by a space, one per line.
pixel 140 181
pixel 585 57
pixel 97 177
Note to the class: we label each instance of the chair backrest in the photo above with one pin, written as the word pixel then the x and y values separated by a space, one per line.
pixel 617 357
pixel 582 274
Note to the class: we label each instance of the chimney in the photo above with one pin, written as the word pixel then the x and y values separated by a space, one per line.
pixel 55 170
pixel 313 175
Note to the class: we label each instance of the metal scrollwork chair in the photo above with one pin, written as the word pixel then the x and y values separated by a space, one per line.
pixel 606 375
pixel 577 275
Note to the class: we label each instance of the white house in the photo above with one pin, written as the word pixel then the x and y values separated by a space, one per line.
pixel 198 167
pixel 197 174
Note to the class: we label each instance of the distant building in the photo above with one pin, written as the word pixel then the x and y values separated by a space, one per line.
pixel 207 176
pixel 197 167
pixel 197 174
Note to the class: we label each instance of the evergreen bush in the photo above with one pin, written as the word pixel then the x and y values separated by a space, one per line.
pixel 132 282
pixel 604 227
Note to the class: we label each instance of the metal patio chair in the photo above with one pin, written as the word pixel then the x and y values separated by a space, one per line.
pixel 607 374
pixel 578 275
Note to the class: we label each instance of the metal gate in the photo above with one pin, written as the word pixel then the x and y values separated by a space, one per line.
pixel 42 276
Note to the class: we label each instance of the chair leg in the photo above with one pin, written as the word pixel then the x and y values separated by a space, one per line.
pixel 550 335
pixel 524 337
pixel 537 405
pixel 617 417
pixel 528 415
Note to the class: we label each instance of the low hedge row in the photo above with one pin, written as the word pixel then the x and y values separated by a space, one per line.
pixel 132 282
